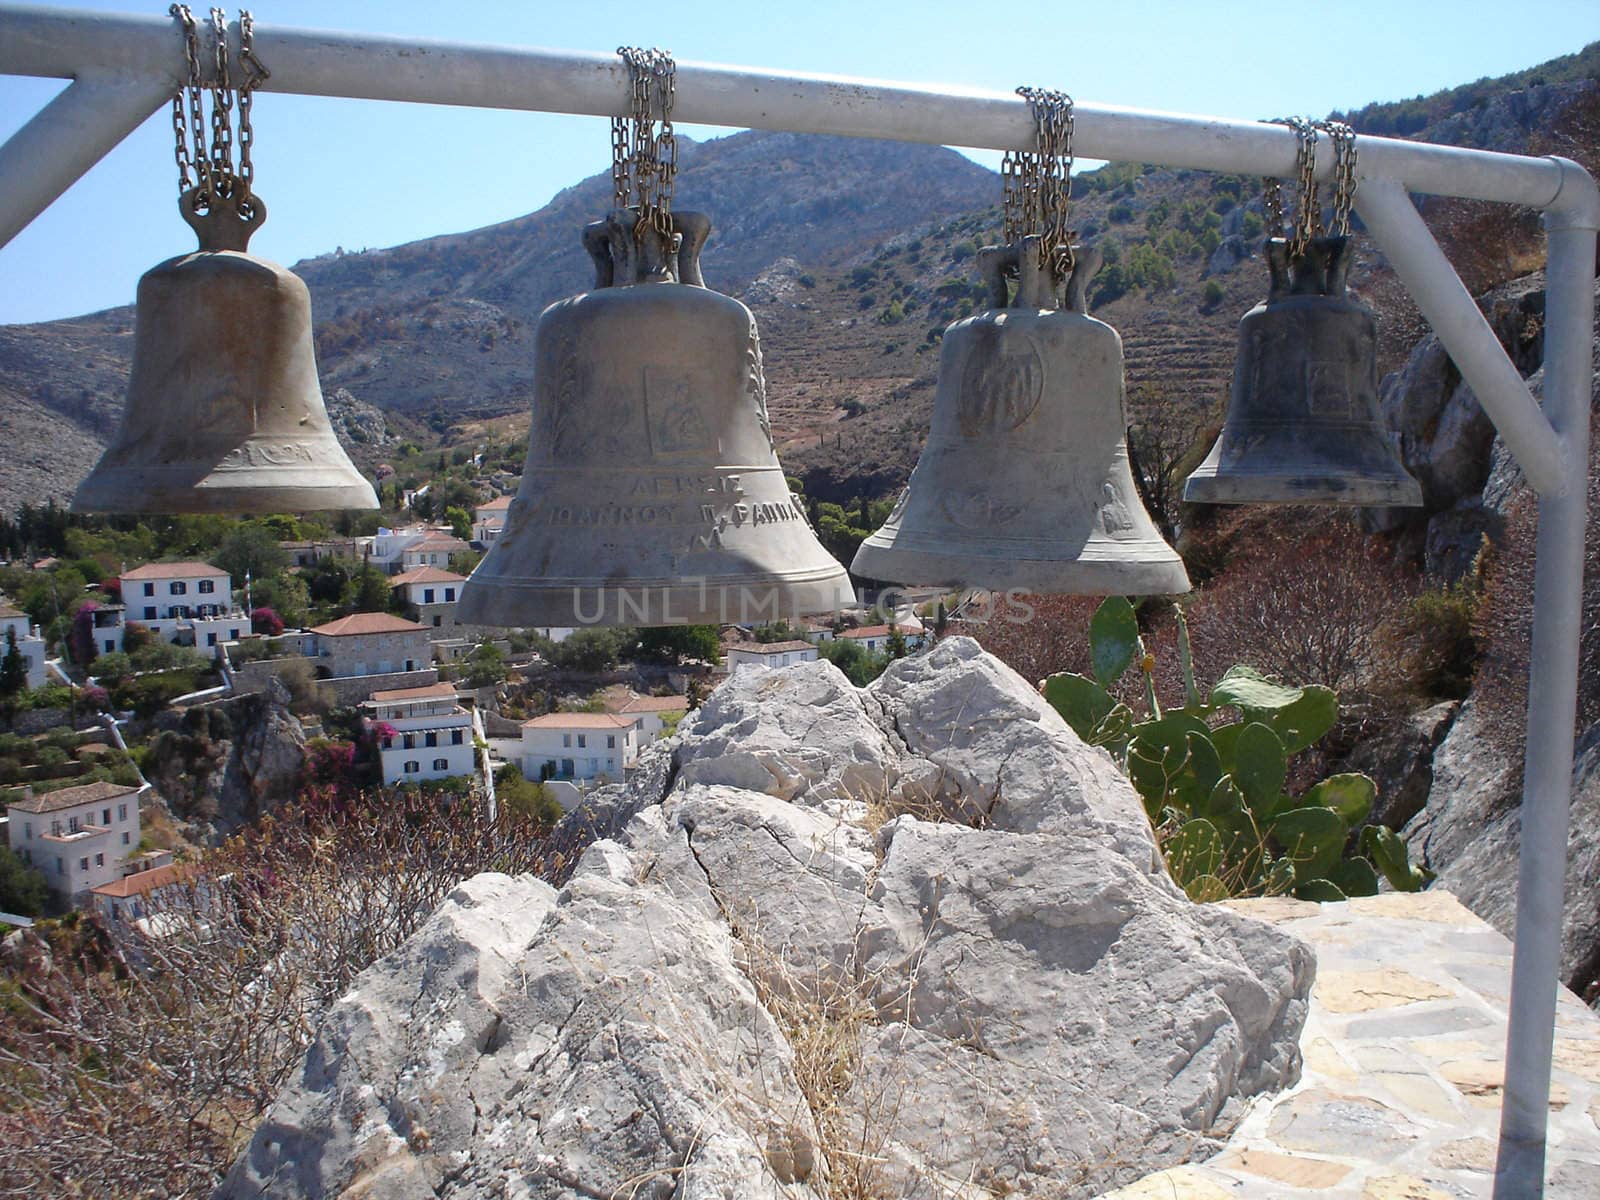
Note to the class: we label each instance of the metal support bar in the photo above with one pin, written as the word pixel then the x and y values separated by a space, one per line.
pixel 1552 713
pixel 1406 242
pixel 55 42
pixel 67 137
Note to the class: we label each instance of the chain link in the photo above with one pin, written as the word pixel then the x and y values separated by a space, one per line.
pixel 1308 212
pixel 1036 185
pixel 255 72
pixel 1343 138
pixel 644 154
pixel 205 164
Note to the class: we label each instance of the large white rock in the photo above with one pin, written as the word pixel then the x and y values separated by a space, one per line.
pixel 913 935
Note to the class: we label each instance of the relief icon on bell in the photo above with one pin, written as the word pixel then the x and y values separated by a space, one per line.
pixel 1025 481
pixel 1303 424
pixel 652 493
pixel 224 412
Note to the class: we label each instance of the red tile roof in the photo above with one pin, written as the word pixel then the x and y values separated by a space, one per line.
pixel 498 504
pixel 86 793
pixel 366 622
pixel 426 575
pixel 773 647
pixel 434 691
pixel 578 721
pixel 173 570
pixel 871 631
pixel 451 544
pixel 143 882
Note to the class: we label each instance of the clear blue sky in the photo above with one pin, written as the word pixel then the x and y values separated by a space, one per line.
pixel 366 174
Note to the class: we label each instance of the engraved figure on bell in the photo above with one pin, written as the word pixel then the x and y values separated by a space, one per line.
pixel 1000 390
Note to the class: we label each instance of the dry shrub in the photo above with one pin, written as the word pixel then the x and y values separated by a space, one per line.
pixel 1055 637
pixel 135 1060
pixel 1505 619
pixel 1308 609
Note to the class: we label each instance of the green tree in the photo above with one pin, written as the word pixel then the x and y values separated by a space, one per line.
pixel 486 666
pixel 252 549
pixel 13 668
pixel 460 522
pixel 595 649
pixel 285 595
pixel 370 590
pixel 22 889
pixel 679 643
pixel 860 665
pixel 524 798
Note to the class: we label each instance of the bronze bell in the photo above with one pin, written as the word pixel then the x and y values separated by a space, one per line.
pixel 1025 481
pixel 652 493
pixel 224 413
pixel 1303 425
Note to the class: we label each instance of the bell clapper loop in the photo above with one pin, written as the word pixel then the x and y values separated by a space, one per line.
pixel 227 223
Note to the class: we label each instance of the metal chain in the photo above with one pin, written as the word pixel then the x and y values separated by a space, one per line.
pixel 1343 138
pixel 208 168
pixel 221 107
pixel 255 72
pixel 1308 214
pixel 644 157
pixel 199 165
pixel 1037 184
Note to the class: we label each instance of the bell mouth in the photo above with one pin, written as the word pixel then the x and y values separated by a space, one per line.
pixel 1099 568
pixel 257 492
pixel 1300 488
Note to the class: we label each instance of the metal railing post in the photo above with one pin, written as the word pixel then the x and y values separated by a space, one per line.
pixel 1552 703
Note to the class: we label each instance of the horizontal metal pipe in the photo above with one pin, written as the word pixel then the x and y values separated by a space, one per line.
pixel 1408 245
pixel 67 137
pixel 62 43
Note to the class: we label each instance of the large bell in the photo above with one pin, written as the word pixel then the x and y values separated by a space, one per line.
pixel 652 494
pixel 1024 482
pixel 224 413
pixel 1303 425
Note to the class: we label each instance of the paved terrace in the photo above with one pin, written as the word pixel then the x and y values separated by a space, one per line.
pixel 1404 1056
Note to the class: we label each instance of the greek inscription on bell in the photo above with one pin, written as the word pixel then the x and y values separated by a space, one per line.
pixel 1000 389
pixel 262 454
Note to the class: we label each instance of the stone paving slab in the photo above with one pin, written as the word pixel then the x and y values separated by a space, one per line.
pixel 1404 1053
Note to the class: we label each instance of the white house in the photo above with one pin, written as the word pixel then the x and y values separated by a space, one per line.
pixel 433 593
pixel 30 643
pixel 109 626
pixel 424 733
pixel 77 836
pixel 387 551
pixel 649 713
pixel 489 519
pixel 876 637
pixel 769 655
pixel 139 896
pixel 590 747
pixel 432 551
pixel 176 600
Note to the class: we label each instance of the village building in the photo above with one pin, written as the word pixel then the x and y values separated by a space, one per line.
pixel 30 642
pixel 875 638
pixel 488 520
pixel 433 593
pixel 304 554
pixel 388 547
pixel 580 747
pixel 139 897
pixel 435 550
pixel 78 837
pixel 424 733
pixel 368 652
pixel 652 716
pixel 768 655
pixel 186 602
